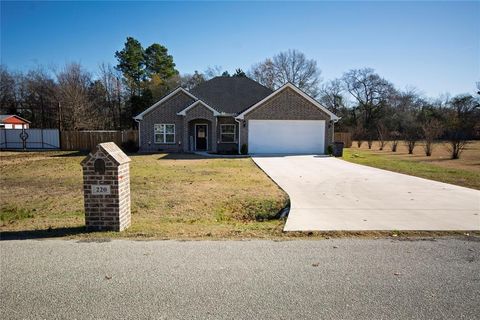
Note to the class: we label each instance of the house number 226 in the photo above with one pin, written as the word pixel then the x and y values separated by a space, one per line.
pixel 99 189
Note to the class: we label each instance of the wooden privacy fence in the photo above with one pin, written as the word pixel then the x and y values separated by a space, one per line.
pixel 88 140
pixel 345 137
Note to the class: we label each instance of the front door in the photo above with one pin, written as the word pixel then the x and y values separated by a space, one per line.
pixel 201 137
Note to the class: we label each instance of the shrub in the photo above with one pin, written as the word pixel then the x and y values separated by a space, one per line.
pixel 244 149
pixel 130 146
pixel 330 150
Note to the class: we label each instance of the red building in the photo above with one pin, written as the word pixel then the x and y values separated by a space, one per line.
pixel 8 121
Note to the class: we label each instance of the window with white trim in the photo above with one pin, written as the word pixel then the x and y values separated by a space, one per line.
pixel 227 133
pixel 164 133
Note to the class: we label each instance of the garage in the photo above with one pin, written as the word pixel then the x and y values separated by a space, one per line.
pixel 286 136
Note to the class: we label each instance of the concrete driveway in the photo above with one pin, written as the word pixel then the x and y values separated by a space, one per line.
pixel 332 194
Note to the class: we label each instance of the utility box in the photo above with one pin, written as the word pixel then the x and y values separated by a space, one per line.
pixel 106 188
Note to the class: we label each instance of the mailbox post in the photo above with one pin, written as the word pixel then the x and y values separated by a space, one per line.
pixel 106 188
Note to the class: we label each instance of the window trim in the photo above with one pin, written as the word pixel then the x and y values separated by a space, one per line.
pixel 234 132
pixel 164 134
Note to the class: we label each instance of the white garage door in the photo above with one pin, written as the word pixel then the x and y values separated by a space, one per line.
pixel 286 136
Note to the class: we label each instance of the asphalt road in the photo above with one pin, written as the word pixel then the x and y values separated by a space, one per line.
pixel 328 279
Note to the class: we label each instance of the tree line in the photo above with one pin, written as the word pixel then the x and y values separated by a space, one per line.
pixel 73 98
pixel 371 108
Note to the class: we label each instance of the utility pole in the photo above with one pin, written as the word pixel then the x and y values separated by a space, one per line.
pixel 60 120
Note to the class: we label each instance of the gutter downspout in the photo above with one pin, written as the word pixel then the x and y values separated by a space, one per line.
pixel 139 135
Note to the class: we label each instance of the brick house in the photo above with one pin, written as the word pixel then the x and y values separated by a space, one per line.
pixel 224 113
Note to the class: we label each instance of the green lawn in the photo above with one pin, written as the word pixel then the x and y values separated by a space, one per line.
pixel 415 166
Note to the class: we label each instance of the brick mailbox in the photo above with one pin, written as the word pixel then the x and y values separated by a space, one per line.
pixel 106 188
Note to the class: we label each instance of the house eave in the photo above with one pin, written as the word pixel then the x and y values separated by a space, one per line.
pixel 165 98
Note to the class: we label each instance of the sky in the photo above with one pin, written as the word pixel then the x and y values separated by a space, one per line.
pixel 431 46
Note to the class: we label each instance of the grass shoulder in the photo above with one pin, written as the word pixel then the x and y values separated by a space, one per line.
pixel 424 169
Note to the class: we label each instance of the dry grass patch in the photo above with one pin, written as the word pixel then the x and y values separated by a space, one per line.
pixel 173 196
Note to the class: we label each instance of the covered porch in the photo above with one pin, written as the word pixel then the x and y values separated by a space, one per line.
pixel 200 135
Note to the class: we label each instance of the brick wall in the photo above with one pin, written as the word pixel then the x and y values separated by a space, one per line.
pixel 106 212
pixel 287 105
pixel 164 113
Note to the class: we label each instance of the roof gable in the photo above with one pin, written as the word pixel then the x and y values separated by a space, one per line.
pixel 165 98
pixel 184 111
pixel 297 90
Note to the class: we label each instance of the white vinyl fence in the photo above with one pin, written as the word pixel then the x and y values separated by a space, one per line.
pixel 36 139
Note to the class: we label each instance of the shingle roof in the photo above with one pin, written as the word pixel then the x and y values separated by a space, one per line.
pixel 230 94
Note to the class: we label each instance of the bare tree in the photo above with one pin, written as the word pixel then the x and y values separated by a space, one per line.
pixel 190 81
pixel 111 80
pixel 77 111
pixel 395 139
pixel 411 135
pixel 411 132
pixel 289 66
pixel 40 99
pixel 213 72
pixel 372 94
pixel 359 143
pixel 29 95
pixel 383 134
pixel 410 142
pixel 331 96
pixel 411 128
pixel 370 139
pixel 432 129
pixel 9 101
pixel 405 119
pixel 264 73
pixel 359 134
pixel 462 118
